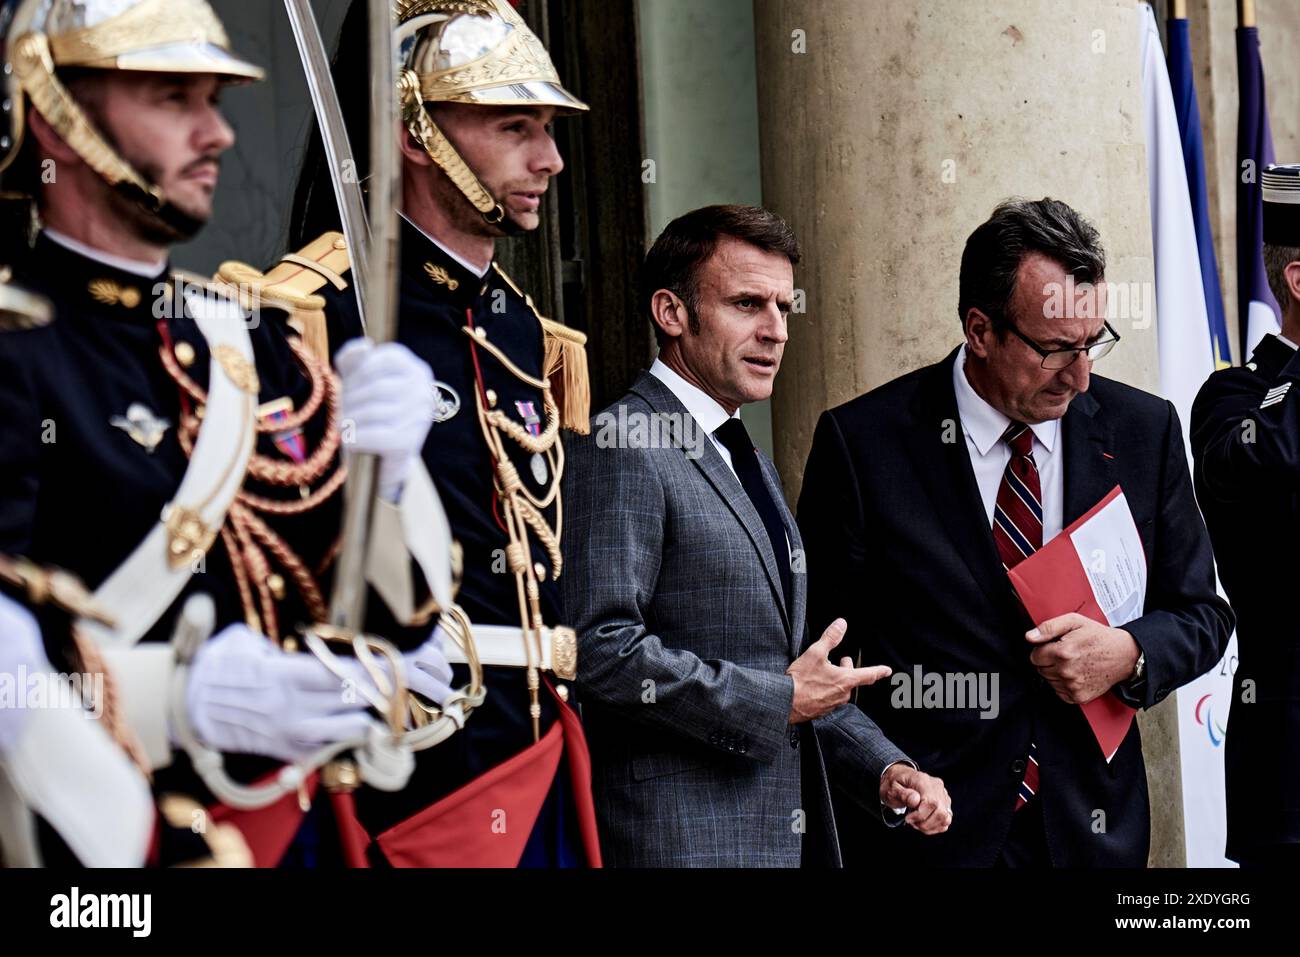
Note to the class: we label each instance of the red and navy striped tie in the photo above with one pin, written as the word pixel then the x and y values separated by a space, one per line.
pixel 1018 533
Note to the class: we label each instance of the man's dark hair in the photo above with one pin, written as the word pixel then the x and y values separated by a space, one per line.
pixel 686 244
pixel 1276 259
pixel 1018 227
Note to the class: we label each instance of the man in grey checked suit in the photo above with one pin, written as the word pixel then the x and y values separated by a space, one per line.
pixel 713 739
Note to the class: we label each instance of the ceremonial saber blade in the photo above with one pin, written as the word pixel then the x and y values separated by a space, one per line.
pixel 385 178
pixel 373 253
pixel 338 147
pixel 348 603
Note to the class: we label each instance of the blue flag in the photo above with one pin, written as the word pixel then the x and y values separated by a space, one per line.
pixel 1189 126
pixel 1257 311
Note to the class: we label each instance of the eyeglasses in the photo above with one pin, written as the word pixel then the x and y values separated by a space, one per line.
pixel 1064 358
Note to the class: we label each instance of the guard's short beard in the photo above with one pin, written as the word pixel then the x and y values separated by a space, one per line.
pixel 148 225
pixel 145 224
pixel 465 215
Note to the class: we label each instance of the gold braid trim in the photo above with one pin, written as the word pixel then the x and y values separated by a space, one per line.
pixel 564 364
pixel 259 571
pixel 269 506
pixel 288 560
pixel 319 386
pixel 548 538
pixel 92 662
pixel 251 618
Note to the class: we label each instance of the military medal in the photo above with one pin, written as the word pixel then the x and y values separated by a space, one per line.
pixel 145 428
pixel 288 441
pixel 533 423
pixel 446 401
pixel 538 462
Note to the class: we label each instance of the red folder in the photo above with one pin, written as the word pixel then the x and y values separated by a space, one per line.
pixel 1052 582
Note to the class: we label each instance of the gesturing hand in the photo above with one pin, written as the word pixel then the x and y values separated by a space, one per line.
pixel 820 686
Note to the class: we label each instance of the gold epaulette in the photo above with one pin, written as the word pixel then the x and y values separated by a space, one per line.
pixel 291 285
pixel 564 362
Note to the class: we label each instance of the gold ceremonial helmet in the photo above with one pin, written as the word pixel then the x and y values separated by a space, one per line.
pixel 479 52
pixel 39 37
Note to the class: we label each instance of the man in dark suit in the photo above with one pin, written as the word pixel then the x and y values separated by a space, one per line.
pixel 1245 427
pixel 712 737
pixel 920 494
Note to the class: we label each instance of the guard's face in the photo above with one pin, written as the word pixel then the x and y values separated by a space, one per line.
pixel 1047 309
pixel 170 128
pixel 744 301
pixel 511 151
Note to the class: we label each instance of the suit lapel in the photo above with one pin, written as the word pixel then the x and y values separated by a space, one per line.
pixel 1089 472
pixel 942 465
pixel 724 482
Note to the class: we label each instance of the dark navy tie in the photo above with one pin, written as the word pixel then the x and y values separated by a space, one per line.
pixel 744 460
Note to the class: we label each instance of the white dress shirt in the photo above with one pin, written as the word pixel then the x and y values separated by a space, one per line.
pixel 984 426
pixel 704 409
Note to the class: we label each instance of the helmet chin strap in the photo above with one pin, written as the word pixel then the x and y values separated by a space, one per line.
pixel 171 215
pixel 34 65
pixel 510 227
pixel 440 150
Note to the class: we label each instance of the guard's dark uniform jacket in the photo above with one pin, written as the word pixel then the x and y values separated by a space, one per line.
pixel 89 446
pixel 1246 443
pixel 77 490
pixel 439 298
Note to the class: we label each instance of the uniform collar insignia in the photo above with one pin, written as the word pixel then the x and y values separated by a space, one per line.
pixel 113 293
pixel 145 428
pixel 440 275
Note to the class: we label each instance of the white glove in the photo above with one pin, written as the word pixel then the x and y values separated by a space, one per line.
pixel 20 647
pixel 386 408
pixel 427 670
pixel 247 696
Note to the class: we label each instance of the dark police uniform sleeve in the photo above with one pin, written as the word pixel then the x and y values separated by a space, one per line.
pixel 1246 443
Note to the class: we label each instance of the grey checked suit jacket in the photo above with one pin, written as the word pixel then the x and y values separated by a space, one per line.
pixel 684 639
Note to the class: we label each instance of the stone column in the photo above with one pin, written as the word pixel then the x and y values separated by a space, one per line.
pixel 889 131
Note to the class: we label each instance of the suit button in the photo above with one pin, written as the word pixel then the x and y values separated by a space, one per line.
pixel 1018 767
pixel 794 737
